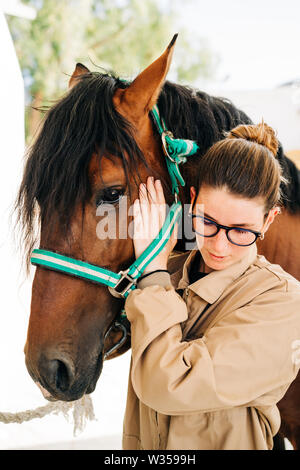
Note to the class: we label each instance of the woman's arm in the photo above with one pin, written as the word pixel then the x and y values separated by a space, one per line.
pixel 245 360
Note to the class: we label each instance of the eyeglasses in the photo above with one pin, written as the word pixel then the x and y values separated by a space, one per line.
pixel 209 228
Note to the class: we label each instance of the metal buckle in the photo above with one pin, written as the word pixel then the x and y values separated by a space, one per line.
pixel 120 343
pixel 165 147
pixel 123 289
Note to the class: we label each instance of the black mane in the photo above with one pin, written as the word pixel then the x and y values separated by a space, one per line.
pixel 84 121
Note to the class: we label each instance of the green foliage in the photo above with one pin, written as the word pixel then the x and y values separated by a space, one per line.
pixel 123 36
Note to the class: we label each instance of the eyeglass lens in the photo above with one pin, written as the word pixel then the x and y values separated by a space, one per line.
pixel 208 228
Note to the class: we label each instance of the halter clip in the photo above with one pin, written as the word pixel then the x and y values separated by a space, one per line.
pixel 123 286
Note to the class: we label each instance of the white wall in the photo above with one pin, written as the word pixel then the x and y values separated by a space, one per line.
pixel 279 107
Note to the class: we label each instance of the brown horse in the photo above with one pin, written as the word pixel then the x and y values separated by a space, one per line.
pixel 96 144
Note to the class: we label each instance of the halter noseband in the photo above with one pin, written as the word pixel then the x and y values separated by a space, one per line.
pixel 122 283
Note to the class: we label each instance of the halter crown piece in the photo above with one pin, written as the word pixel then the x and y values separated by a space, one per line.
pixel 176 150
pixel 122 283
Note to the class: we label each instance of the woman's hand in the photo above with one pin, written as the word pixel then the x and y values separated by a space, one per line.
pixel 149 215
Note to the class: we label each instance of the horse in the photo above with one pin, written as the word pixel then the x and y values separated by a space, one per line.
pixel 96 144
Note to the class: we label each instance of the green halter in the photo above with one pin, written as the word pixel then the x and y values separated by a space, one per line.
pixel 119 284
pixel 176 150
pixel 122 283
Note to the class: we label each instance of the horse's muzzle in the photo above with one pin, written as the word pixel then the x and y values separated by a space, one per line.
pixel 57 380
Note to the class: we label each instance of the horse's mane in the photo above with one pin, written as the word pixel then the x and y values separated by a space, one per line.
pixel 83 121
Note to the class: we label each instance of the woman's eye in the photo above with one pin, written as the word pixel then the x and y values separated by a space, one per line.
pixel 109 196
pixel 207 222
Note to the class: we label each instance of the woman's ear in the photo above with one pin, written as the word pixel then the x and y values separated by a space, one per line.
pixel 270 218
pixel 193 196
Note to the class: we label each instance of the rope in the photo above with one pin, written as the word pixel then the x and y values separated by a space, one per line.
pixel 83 410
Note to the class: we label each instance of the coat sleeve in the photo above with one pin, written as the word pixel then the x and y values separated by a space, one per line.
pixel 245 359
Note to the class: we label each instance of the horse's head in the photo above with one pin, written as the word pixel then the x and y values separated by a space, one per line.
pixel 82 174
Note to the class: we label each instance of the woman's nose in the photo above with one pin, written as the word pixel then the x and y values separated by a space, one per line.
pixel 220 242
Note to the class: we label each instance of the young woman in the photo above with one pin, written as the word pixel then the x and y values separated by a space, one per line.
pixel 209 365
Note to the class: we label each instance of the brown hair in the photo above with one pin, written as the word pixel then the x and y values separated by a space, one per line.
pixel 245 162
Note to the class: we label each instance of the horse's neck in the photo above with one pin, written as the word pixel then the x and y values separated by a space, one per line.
pixel 281 243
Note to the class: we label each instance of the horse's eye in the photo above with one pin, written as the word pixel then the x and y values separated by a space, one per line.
pixel 109 196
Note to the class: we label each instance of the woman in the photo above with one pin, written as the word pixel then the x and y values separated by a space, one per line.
pixel 209 365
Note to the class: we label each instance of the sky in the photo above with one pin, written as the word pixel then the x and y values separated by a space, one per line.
pixel 257 41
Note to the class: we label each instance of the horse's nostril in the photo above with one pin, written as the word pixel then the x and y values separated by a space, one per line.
pixel 57 373
pixel 63 376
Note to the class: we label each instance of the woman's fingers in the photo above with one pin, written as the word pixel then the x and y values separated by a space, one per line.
pixel 174 235
pixel 149 216
pixel 138 222
pixel 152 207
pixel 144 208
pixel 159 192
pixel 152 196
pixel 162 207
pixel 153 214
pixel 158 204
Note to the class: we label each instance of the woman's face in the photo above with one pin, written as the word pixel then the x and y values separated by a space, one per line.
pixel 226 208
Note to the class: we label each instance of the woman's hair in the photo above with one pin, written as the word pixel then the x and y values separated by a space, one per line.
pixel 245 162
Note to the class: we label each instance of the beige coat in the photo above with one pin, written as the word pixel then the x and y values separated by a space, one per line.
pixel 208 369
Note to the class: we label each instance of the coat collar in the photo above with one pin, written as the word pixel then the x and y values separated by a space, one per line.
pixel 211 287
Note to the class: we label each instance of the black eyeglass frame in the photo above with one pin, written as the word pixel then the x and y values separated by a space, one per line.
pixel 227 230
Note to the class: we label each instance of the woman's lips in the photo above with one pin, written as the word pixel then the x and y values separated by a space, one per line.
pixel 217 258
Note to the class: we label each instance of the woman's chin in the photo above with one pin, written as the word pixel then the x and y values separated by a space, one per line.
pixel 216 263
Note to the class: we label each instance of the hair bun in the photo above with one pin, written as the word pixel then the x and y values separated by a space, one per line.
pixel 261 134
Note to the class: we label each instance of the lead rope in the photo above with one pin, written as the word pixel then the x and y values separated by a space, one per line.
pixel 81 409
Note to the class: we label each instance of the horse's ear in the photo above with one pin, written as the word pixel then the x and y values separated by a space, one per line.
pixel 80 69
pixel 140 97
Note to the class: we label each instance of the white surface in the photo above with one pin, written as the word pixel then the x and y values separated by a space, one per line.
pixel 257 42
pixel 278 107
pixel 16 8
pixel 54 432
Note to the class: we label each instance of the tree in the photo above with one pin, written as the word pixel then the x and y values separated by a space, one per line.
pixel 123 36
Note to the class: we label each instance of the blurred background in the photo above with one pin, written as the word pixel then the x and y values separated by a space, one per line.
pixel 245 51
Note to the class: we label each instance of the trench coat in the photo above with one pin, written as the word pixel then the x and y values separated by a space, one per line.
pixel 208 366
